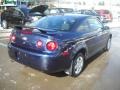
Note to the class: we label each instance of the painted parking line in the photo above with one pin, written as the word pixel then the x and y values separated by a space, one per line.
pixel 3 45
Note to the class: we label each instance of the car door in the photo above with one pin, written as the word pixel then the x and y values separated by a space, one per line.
pixel 89 36
pixel 96 27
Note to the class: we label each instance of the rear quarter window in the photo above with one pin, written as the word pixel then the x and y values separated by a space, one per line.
pixel 83 27
pixel 94 23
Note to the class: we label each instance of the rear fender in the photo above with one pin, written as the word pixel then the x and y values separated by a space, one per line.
pixel 77 48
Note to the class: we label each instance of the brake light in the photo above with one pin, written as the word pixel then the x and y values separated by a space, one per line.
pixel 39 44
pixel 51 46
pixel 26 31
pixel 12 38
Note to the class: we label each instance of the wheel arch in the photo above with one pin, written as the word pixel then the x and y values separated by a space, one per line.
pixel 82 50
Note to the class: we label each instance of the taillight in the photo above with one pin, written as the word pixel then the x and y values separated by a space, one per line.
pixel 12 37
pixel 39 44
pixel 51 46
pixel 65 53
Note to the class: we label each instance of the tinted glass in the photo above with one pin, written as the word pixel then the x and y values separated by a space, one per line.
pixel 83 27
pixel 53 11
pixel 54 23
pixel 17 12
pixel 66 10
pixel 94 23
pixel 88 12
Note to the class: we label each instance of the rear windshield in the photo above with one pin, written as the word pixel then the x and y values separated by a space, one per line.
pixel 54 23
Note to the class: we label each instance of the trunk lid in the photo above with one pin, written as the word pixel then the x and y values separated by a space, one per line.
pixel 41 9
pixel 27 38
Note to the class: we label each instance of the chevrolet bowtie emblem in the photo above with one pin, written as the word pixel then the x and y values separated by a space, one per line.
pixel 24 38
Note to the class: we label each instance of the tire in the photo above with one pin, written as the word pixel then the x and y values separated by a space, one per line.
pixel 4 24
pixel 77 66
pixel 108 45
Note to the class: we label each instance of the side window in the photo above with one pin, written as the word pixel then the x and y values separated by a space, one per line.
pixel 88 12
pixel 47 12
pixel 54 11
pixel 17 12
pixel 83 27
pixel 94 24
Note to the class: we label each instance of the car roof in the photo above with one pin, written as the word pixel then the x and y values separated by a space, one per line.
pixel 75 14
pixel 60 8
pixel 72 15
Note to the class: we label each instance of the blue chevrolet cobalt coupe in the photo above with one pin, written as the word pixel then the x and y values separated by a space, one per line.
pixel 59 43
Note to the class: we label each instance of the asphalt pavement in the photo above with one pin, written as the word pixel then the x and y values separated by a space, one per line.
pixel 102 71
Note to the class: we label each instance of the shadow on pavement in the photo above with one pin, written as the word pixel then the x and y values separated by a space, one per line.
pixel 90 60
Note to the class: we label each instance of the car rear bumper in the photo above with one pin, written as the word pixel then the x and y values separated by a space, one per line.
pixel 46 63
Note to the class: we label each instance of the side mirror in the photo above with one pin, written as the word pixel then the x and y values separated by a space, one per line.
pixel 106 28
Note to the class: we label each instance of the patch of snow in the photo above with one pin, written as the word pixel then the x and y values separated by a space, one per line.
pixel 6 74
pixel 35 87
pixel 46 80
pixel 90 75
pixel 32 74
pixel 13 81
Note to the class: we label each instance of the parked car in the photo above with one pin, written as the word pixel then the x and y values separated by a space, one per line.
pixel 59 42
pixel 106 14
pixel 23 15
pixel 51 11
pixel 20 15
pixel 90 12
pixel 4 6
